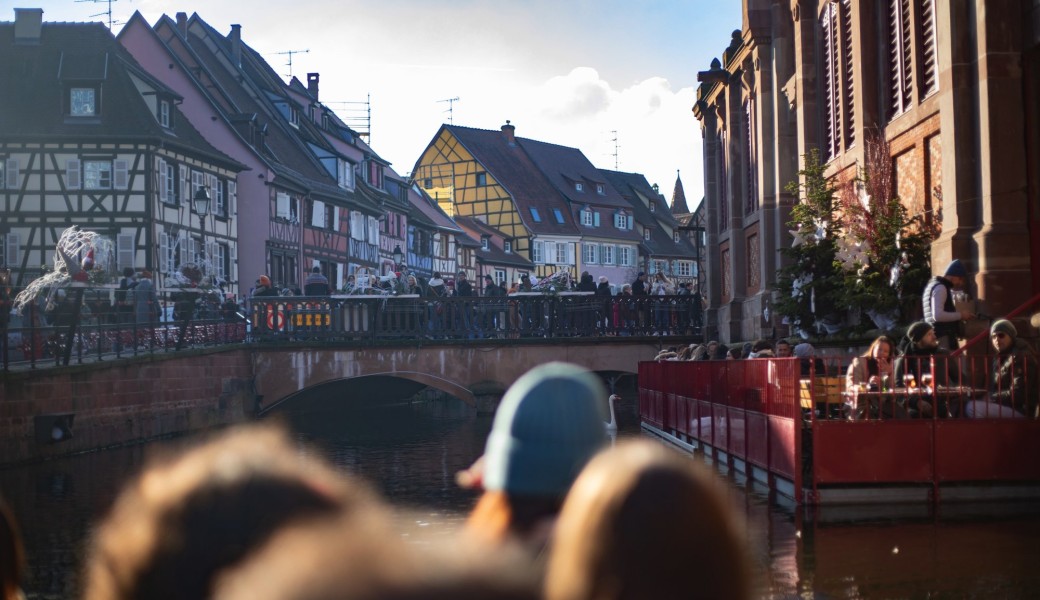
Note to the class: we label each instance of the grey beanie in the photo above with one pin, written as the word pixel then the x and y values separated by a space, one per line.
pixel 955 269
pixel 548 425
pixel 918 330
pixel 1004 326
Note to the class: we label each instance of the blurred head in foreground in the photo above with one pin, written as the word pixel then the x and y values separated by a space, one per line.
pixel 190 516
pixel 548 425
pixel 642 521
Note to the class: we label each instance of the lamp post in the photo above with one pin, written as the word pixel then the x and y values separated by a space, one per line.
pixel 201 204
pixel 398 257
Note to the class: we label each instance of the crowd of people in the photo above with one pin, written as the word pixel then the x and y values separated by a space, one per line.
pixel 249 515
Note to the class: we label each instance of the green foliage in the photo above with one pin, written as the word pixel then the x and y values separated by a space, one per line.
pixel 812 278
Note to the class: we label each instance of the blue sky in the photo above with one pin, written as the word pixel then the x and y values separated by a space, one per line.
pixel 570 72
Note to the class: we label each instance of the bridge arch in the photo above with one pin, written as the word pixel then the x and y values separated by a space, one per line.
pixel 425 379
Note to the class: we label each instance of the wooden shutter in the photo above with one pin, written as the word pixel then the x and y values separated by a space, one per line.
pixel 125 250
pixel 929 60
pixel 232 188
pixel 163 187
pixel 11 174
pixel 120 174
pixel 829 37
pixel 12 249
pixel 899 39
pixel 164 252
pixel 185 184
pixel 184 249
pixel 72 174
pixel 848 87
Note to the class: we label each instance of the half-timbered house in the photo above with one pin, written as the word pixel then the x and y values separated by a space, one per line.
pixel 88 137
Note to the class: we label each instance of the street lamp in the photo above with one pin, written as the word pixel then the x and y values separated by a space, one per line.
pixel 201 203
pixel 398 257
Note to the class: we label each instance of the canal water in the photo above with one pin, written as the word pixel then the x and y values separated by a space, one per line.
pixel 410 451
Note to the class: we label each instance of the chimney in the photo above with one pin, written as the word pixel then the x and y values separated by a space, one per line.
pixel 182 24
pixel 312 84
pixel 27 25
pixel 236 45
pixel 507 130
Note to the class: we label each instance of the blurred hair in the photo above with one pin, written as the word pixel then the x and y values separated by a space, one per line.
pixel 500 516
pixel 12 555
pixel 644 522
pixel 882 339
pixel 193 514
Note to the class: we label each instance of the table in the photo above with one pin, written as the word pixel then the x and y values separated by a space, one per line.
pixel 867 404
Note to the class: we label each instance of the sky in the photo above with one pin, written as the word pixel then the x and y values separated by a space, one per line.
pixel 614 78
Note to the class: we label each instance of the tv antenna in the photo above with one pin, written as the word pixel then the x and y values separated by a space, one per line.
pixel 107 13
pixel 614 139
pixel 290 53
pixel 451 108
pixel 357 115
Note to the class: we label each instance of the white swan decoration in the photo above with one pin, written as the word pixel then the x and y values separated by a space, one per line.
pixel 612 425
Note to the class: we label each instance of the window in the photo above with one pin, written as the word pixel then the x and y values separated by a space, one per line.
pixel 675 237
pixel 375 174
pixel 345 175
pixel 601 190
pixel 534 215
pixel 500 276
pixel 900 74
pixel 646 234
pixel 9 174
pixel 285 207
pixel 485 243
pixel 626 257
pixel 684 268
pixel 837 77
pixel 198 182
pixel 319 216
pixel 929 62
pixel 538 252
pixel 653 206
pixel 481 179
pixel 219 198
pixel 622 221
pixel 750 162
pixel 579 187
pixel 586 217
pixel 222 258
pixel 167 182
pixel 607 254
pixel 83 102
pixel 97 174
pixel 588 253
pixel 659 266
pixel 164 113
pixel 126 252
pixel 563 253
pixel 558 214
pixel 427 183
pixel 507 247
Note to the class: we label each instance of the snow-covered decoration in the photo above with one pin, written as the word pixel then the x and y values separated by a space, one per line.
pixel 802 235
pixel 853 254
pixel 560 281
pixel 80 258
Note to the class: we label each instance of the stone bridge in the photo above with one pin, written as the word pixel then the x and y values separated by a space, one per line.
pixel 477 374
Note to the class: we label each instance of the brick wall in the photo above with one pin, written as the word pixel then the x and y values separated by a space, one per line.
pixel 124 402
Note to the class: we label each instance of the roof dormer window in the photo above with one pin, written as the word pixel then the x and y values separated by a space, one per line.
pixel 83 102
pixel 602 191
pixel 653 206
pixel 559 215
pixel 579 186
pixel 164 113
pixel 507 247
pixel 646 234
pixel 485 242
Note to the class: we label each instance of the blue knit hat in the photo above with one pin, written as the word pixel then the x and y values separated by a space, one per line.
pixel 955 269
pixel 548 425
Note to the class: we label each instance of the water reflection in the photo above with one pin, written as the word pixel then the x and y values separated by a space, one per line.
pixel 411 451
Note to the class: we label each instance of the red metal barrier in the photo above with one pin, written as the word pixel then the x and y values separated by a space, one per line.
pixel 752 411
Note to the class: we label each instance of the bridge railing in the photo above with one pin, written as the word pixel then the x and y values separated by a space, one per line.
pixel 512 317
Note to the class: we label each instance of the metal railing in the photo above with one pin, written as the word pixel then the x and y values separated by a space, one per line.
pixel 86 326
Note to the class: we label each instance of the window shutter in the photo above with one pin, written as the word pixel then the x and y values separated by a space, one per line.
pixel 11 174
pixel 213 257
pixel 163 184
pixel 214 208
pixel 929 75
pixel 849 100
pixel 164 252
pixel 72 181
pixel 232 188
pixel 12 249
pixel 335 218
pixel 595 219
pixel 184 251
pixel 125 249
pixel 120 174
pixel 570 253
pixel 185 184
pixel 631 221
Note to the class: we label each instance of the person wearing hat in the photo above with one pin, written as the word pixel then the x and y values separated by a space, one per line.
pixel 1013 386
pixel 918 352
pixel 264 288
pixel 939 309
pixel 491 289
pixel 548 425
pixel 145 300
pixel 316 284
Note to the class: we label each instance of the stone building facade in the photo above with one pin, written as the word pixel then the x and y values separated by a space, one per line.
pixel 952 88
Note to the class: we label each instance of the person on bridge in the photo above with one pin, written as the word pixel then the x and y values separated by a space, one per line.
pixel 642 521
pixel 316 283
pixel 939 308
pixel 548 425
pixel 146 303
